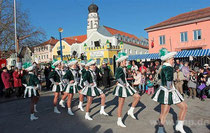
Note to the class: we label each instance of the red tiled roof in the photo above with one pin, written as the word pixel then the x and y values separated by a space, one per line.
pixel 71 41
pixel 114 32
pixel 52 42
pixel 80 38
pixel 189 16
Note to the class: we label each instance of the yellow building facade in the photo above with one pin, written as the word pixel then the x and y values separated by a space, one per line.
pixel 66 48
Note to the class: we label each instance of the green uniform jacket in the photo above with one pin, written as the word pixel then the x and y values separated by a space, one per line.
pixel 120 74
pixel 167 74
pixel 30 80
pixel 54 75
pixel 69 76
pixel 87 77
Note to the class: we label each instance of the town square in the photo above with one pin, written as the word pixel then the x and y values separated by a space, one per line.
pixel 95 66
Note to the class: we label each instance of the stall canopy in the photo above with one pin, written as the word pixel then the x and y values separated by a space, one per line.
pixel 180 54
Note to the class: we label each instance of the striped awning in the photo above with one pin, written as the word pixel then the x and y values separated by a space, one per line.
pixel 153 56
pixel 195 53
pixel 139 56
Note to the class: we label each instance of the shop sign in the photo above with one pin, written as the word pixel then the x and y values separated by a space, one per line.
pixel 96 54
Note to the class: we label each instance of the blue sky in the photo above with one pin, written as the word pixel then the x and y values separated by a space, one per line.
pixel 131 16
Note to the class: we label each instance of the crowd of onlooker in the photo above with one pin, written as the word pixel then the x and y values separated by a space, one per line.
pixel 190 80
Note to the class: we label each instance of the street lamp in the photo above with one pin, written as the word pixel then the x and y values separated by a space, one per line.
pixel 60 30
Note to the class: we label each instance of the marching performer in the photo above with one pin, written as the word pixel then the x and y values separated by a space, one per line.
pixel 91 90
pixel 123 89
pixel 167 94
pixel 71 88
pixel 81 84
pixel 32 84
pixel 55 77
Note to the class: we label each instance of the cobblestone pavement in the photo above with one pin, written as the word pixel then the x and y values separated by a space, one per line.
pixel 14 117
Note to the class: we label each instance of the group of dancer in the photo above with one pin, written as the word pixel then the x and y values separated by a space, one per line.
pixel 71 81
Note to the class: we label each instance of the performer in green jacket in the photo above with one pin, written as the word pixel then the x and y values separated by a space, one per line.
pixel 70 78
pixel 55 77
pixel 123 89
pixel 167 94
pixel 32 84
pixel 81 84
pixel 91 90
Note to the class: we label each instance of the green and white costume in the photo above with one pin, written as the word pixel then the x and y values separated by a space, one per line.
pixel 71 75
pixel 56 76
pixel 167 93
pixel 90 90
pixel 123 89
pixel 81 84
pixel 32 84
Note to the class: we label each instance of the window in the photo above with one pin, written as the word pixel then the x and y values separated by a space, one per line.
pixel 197 34
pixel 97 44
pixel 47 56
pixel 162 40
pixel 98 62
pixel 130 51
pixel 184 37
pixel 110 61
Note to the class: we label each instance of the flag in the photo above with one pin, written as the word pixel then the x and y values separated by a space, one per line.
pixel 152 44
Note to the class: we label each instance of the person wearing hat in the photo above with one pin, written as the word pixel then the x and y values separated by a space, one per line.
pixel 123 89
pixel 167 94
pixel 32 84
pixel 91 90
pixel 55 77
pixel 71 88
pixel 81 84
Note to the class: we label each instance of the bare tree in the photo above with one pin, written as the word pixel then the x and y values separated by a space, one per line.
pixel 24 27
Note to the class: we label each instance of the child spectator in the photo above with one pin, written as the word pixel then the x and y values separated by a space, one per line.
pixel 192 84
pixel 150 85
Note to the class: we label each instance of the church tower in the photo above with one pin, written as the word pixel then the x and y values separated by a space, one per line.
pixel 93 19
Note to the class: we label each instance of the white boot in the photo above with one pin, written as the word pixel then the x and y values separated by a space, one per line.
pixel 87 116
pixel 56 110
pixel 120 123
pixel 61 103
pixel 130 112
pixel 70 112
pixel 102 112
pixel 35 110
pixel 80 106
pixel 32 117
pixel 179 126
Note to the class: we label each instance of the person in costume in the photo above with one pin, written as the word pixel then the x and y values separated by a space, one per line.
pixel 55 77
pixel 81 84
pixel 32 84
pixel 71 88
pixel 167 94
pixel 123 89
pixel 91 90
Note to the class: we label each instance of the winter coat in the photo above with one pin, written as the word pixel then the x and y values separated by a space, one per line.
pixel 17 79
pixel 6 78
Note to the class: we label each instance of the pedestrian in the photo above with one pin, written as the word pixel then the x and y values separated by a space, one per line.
pixel 17 76
pixel 47 71
pixel 70 89
pixel 6 78
pixel 142 68
pixel 91 89
pixel 150 85
pixel 179 80
pixel 36 69
pixel 134 67
pixel 137 78
pixel 81 84
pixel 186 72
pixel 106 75
pixel 192 84
pixel 167 94
pixel 32 84
pixel 123 89
pixel 55 77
